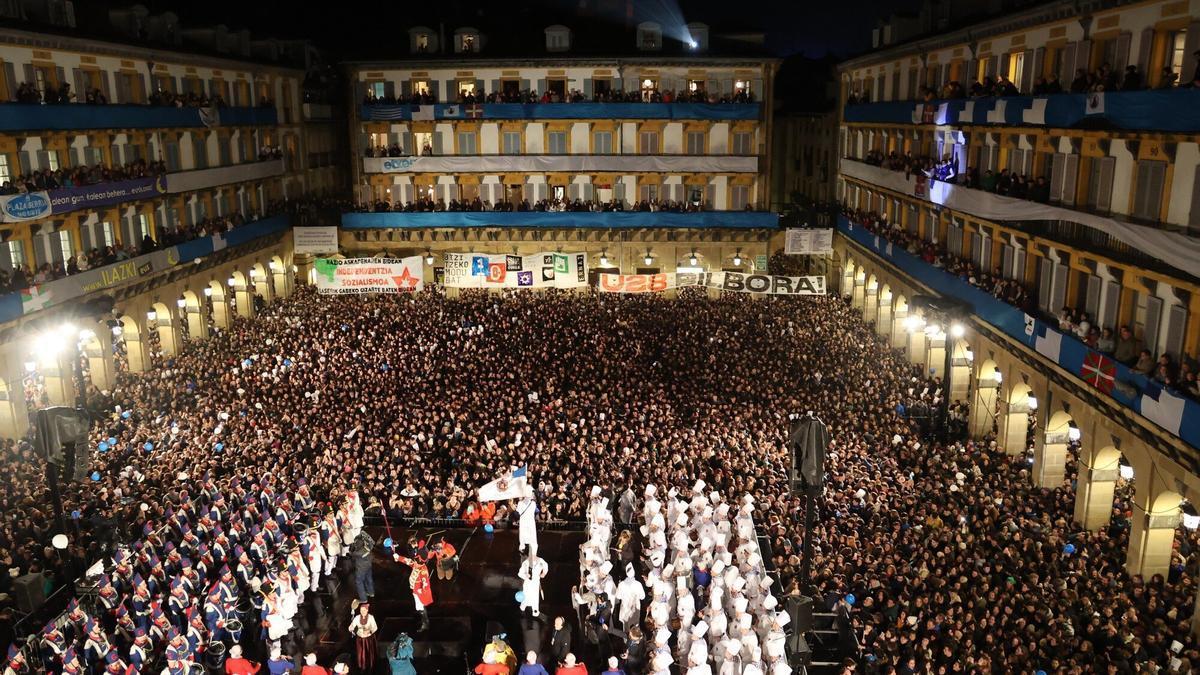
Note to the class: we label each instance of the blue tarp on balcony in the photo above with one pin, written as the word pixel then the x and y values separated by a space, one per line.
pixel 1168 410
pixel 1153 110
pixel 36 117
pixel 573 219
pixel 561 111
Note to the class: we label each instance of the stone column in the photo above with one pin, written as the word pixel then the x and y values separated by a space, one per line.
pixel 1152 534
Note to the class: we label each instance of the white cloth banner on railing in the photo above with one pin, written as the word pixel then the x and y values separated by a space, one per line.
pixel 561 163
pixel 1177 250
pixel 492 270
pixel 758 284
pixel 352 276
pixel 808 241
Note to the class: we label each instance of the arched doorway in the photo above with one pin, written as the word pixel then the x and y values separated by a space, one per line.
pixel 239 287
pixel 163 323
pixel 848 277
pixel 1019 416
pixel 899 319
pixel 1055 449
pixel 1096 486
pixel 97 356
pixel 279 277
pixel 263 291
pixel 216 297
pixel 133 346
pixel 860 288
pixel 985 409
pixel 883 321
pixel 193 319
pixel 871 301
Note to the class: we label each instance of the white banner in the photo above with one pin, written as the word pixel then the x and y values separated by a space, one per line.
pixel 315 239
pixel 1177 250
pixel 561 163
pixel 369 275
pixel 498 270
pixel 808 242
pixel 758 284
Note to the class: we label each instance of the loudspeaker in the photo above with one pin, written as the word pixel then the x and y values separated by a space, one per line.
pixel 29 592
pixel 800 612
pixel 799 656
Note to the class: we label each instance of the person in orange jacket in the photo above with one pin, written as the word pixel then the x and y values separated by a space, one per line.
pixel 236 665
pixel 487 513
pixel 472 516
pixel 311 667
pixel 490 667
pixel 447 559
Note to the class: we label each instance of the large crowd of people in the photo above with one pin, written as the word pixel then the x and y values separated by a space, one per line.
pixel 944 554
pixel 426 204
pixel 1005 182
pixel 598 95
pixel 28 92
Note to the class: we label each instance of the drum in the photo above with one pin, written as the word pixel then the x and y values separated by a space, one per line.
pixel 245 610
pixel 214 657
pixel 234 627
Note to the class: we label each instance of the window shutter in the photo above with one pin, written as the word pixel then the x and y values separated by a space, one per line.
pixel 525 86
pixel 1083 56
pixel 541 87
pixel 43 159
pixel 1112 300
pixel 1002 64
pixel 1105 183
pixel 1122 59
pixel 1192 42
pixel 1006 260
pixel 435 89
pixel 1030 69
pixel 73 156
pixel 976 247
pixel 1058 294
pixel 1018 268
pixel 29 76
pixel 992 62
pixel 389 89
pixel 1070 173
pixel 1148 192
pixel 1039 66
pixel 1058 162
pixel 1145 48
pixel 587 88
pixel 1194 217
pixel 60 75
pixel 80 85
pixel 437 143
pixel 1151 329
pixel 1091 304
pixel 1176 327
pixel 495 86
pixel 1045 274
pixel 1066 67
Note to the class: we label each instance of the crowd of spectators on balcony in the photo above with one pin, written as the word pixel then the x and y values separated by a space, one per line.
pixel 1106 78
pixel 28 92
pixel 649 95
pixel 69 177
pixel 426 204
pixel 1122 345
pixel 1004 182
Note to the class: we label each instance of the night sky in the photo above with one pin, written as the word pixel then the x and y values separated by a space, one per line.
pixel 792 26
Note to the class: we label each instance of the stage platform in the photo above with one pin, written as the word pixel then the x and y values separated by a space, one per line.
pixel 480 595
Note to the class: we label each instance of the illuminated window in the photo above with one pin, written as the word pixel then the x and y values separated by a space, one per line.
pixel 466 87
pixel 145 225
pixel 64 242
pixel 1178 47
pixel 420 86
pixel 5 174
pixel 695 86
pixel 16 252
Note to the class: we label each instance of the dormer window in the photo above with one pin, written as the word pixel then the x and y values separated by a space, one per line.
pixel 558 39
pixel 649 36
pixel 466 41
pixel 422 40
pixel 697 36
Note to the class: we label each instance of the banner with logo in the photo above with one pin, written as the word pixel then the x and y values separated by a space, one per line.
pixel 319 240
pixel 758 284
pixel 537 270
pixel 808 241
pixel 369 275
pixel 33 205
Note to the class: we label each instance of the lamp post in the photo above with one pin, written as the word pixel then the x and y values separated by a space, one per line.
pixel 808 441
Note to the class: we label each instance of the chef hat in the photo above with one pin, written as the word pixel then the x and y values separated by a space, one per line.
pixel 714 497
pixel 732 647
pixel 954 487
pixel 747 499
pixel 960 477
pixel 738 584
pixel 604 505
pixel 672 492
pixel 756 654
pixel 718 567
pixel 628 569
pixel 595 490
pixel 739 605
pixel 662 636
pixel 861 494
pixel 770 602
pixel 650 490
pixel 699 486
pixel 606 567
pixel 682 520
pixel 700 630
pixel 912 620
pixel 782 619
pixel 766 582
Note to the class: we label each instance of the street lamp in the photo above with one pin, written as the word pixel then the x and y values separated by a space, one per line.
pixel 428 257
pixel 692 260
pixel 604 259
pixel 208 291
pixel 152 315
pixel 737 258
pixel 649 259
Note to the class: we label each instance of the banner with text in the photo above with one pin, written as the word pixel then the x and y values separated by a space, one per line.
pixel 32 205
pixel 538 270
pixel 369 275
pixel 323 239
pixel 808 242
pixel 758 284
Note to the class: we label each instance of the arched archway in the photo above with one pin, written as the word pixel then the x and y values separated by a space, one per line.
pixel 195 325
pixel 262 284
pixel 14 413
pixel 899 318
pixel 217 296
pixel 1099 472
pixel 848 277
pixel 984 406
pixel 134 346
pixel 1154 520
pixel 95 345
pixel 161 319
pixel 883 320
pixel 1015 424
pixel 239 287
pixel 279 277
pixel 1052 452
pixel 871 299
pixel 860 289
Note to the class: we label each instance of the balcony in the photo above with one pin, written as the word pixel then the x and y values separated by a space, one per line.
pixel 560 111
pixel 202 179
pixel 1174 414
pixel 740 220
pixel 451 164
pixel 15 305
pixel 78 116
pixel 317 112
pixel 1150 110
pixel 1177 250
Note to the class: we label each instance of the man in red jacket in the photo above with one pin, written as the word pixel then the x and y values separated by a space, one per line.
pixel 311 667
pixel 236 665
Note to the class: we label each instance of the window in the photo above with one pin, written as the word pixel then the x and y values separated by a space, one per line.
pixel 741 87
pixel 982 69
pixel 146 225
pixel 199 153
pixel 602 143
pixel 739 197
pixel 377 89
pixel 743 143
pixel 420 87
pixel 512 143
pixel 5 174
pixel 92 156
pixel 649 142
pixel 422 43
pixel 695 86
pixel 558 87
pixel 106 234
pixel 1147 197
pixel 1177 46
pixel 64 243
pixel 40 79
pixel 1016 68
pixel 52 160
pixel 468 42
pixel 601 87
pixel 171 153
pixel 466 143
pixel 1108 52
pixel 649 86
pixel 648 193
pixel 556 143
pixel 16 252
pixel 695 143
pixel 466 87
pixel 510 87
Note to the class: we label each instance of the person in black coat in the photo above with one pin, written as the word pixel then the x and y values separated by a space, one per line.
pixel 560 640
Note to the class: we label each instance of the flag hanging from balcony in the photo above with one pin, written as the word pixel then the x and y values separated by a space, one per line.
pixel 210 116
pixel 1095 103
pixel 1099 371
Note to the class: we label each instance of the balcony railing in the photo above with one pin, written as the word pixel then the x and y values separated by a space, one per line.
pixel 318 111
pixel 1151 110
pixel 36 298
pixel 742 220
pixel 1177 250
pixel 447 164
pixel 202 179
pixel 1171 412
pixel 560 111
pixel 80 116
